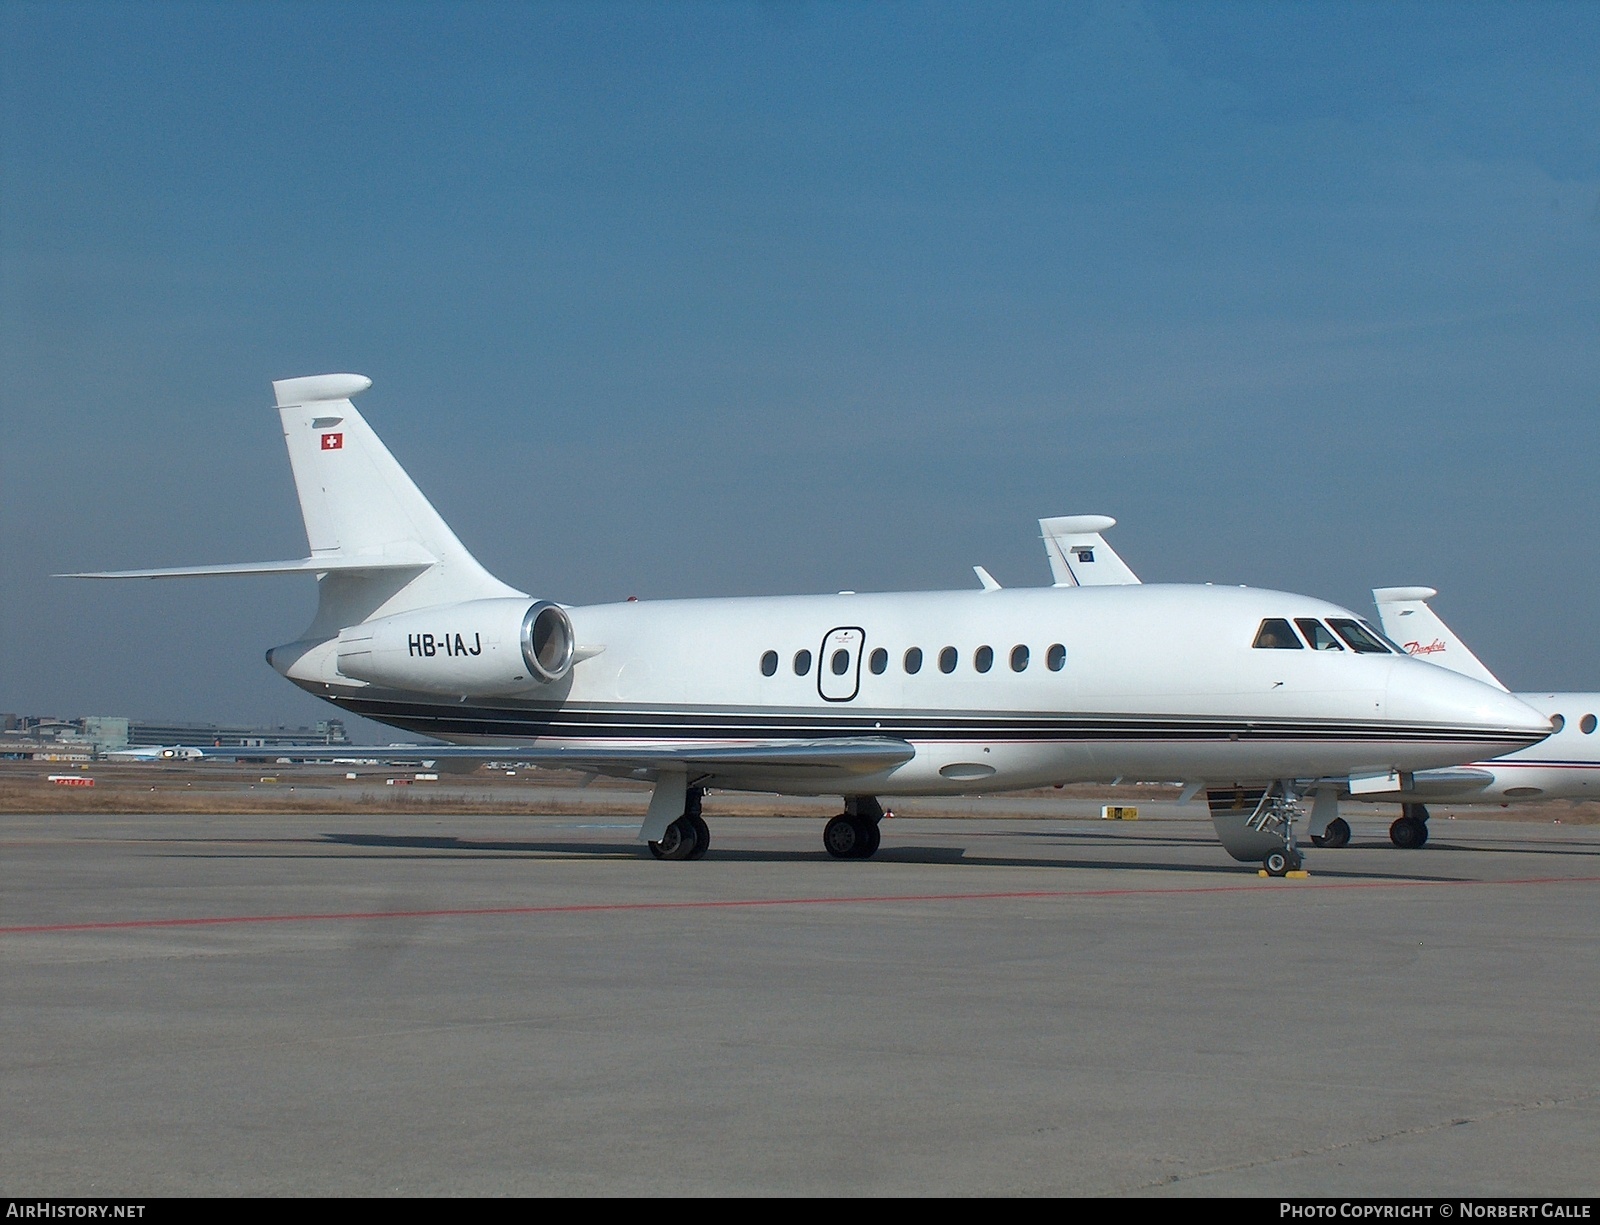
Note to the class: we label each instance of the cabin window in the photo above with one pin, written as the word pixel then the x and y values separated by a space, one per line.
pixel 769 664
pixel 1362 641
pixel 1056 657
pixel 802 663
pixel 1317 634
pixel 1586 725
pixel 879 662
pixel 1557 722
pixel 1275 635
pixel 1019 659
pixel 983 658
pixel 913 661
pixel 840 663
pixel 947 659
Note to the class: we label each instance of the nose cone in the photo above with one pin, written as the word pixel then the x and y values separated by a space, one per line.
pixel 1428 695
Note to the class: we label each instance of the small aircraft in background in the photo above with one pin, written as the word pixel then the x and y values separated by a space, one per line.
pixel 918 693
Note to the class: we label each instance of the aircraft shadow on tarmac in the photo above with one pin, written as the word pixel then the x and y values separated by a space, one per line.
pixel 444 846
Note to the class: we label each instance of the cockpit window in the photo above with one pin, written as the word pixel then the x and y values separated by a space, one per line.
pixel 1362 641
pixel 1383 638
pixel 1317 634
pixel 1275 635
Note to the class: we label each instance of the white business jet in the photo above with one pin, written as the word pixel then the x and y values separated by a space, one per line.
pixel 1566 766
pixel 920 693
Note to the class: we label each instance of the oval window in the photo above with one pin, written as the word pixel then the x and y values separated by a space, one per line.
pixel 769 664
pixel 879 662
pixel 1558 722
pixel 840 663
pixel 983 658
pixel 802 663
pixel 947 659
pixel 1019 659
pixel 1586 725
pixel 913 661
pixel 1056 657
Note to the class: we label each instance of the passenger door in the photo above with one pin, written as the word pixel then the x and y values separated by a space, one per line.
pixel 839 664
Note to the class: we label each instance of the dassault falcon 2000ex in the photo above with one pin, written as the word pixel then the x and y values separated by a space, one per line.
pixel 854 695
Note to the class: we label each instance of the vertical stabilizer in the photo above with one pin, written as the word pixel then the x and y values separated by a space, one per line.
pixel 1079 555
pixel 1411 624
pixel 359 504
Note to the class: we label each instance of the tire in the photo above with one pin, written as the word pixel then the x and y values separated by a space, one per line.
pixel 1408 833
pixel 842 838
pixel 872 840
pixel 1276 863
pixel 678 841
pixel 1336 835
pixel 702 837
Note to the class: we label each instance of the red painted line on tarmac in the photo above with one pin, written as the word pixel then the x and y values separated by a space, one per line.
pixel 751 903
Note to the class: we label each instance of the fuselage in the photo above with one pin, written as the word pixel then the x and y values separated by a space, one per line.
pixel 994 689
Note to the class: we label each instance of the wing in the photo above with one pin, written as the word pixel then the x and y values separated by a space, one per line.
pixel 850 755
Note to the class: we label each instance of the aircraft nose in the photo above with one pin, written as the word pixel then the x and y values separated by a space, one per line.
pixel 1426 693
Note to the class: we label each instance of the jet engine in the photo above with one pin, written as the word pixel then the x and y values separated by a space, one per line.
pixel 477 648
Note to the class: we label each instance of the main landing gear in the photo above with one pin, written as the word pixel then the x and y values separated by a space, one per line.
pixel 1411 830
pixel 1337 834
pixel 854 833
pixel 688 837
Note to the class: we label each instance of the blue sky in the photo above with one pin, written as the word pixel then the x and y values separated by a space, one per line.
pixel 682 299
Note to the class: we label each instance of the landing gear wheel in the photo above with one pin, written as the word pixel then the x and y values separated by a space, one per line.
pixel 678 841
pixel 845 836
pixel 1336 835
pixel 1280 863
pixel 1409 833
pixel 702 836
pixel 874 837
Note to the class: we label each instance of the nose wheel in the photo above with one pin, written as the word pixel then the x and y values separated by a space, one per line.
pixel 1281 863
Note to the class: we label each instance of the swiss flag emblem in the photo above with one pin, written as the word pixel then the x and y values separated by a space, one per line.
pixel 333 442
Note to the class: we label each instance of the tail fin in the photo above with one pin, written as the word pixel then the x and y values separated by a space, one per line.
pixel 1410 623
pixel 1079 555
pixel 377 545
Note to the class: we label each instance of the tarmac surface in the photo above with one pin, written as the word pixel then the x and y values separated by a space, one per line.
pixel 422 1004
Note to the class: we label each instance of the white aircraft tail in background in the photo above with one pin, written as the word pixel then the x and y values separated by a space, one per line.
pixel 1409 622
pixel 1565 766
pixel 1079 555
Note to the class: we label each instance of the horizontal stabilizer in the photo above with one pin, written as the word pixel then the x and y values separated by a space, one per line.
pixel 858 755
pixel 413 558
pixel 1079 555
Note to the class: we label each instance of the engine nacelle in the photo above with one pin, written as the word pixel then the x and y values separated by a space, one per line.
pixel 478 648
